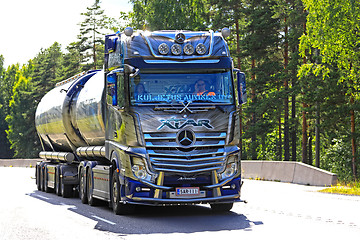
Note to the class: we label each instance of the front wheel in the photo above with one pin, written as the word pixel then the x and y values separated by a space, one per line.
pixel 221 207
pixel 118 207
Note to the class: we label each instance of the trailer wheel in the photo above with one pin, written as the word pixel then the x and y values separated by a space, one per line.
pixel 46 187
pixel 57 182
pixel 42 177
pixel 82 187
pixel 118 207
pixel 66 190
pixel 221 207
pixel 37 175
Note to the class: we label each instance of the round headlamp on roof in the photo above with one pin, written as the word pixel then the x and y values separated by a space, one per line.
pixel 163 49
pixel 200 49
pixel 225 32
pixel 176 49
pixel 189 49
pixel 129 31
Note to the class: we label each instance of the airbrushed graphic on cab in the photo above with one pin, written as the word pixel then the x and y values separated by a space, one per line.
pixel 174 123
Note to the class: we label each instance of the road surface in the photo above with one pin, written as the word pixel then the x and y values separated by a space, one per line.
pixel 275 211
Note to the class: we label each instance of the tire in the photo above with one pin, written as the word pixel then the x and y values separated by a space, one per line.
pixel 46 187
pixel 38 177
pixel 42 178
pixel 221 207
pixel 57 182
pixel 66 190
pixel 82 187
pixel 118 207
pixel 89 189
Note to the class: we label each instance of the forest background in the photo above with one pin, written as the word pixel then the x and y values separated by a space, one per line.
pixel 301 59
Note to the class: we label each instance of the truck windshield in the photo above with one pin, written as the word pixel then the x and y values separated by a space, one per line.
pixel 215 87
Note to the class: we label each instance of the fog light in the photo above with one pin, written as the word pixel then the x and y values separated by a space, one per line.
pixel 233 186
pixel 138 189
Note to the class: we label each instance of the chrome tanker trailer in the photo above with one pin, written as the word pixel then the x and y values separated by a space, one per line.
pixel 158 126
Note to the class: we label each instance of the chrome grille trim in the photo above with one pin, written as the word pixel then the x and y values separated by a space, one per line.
pixel 207 154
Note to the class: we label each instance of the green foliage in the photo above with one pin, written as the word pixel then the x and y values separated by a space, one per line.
pixel 21 131
pixel 333 39
pixel 337 159
pixel 5 145
pixel 168 14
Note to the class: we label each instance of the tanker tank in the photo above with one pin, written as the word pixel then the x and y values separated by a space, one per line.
pixel 72 114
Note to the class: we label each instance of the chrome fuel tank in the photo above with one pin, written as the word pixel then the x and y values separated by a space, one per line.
pixel 71 115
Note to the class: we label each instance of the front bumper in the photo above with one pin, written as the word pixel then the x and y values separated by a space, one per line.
pixel 144 193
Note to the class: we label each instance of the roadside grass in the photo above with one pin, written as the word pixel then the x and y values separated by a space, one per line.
pixel 344 188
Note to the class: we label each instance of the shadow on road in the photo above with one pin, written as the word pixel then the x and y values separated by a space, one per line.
pixel 150 220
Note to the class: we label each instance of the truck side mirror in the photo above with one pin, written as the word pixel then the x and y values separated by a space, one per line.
pixel 241 86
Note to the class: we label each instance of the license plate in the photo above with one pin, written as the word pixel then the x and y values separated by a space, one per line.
pixel 187 191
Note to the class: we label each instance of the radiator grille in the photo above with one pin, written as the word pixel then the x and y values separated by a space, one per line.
pixel 206 154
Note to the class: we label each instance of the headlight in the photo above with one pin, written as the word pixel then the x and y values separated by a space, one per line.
pixel 176 49
pixel 163 49
pixel 188 49
pixel 200 49
pixel 139 169
pixel 231 167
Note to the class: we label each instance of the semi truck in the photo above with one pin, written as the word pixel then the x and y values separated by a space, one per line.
pixel 158 125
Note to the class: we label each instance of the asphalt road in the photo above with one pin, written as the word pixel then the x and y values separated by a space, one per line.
pixel 275 211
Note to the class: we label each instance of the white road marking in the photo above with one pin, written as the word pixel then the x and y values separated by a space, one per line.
pixel 104 220
pixel 46 198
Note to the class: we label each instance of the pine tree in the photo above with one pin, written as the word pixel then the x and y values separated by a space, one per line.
pixel 91 38
pixel 260 47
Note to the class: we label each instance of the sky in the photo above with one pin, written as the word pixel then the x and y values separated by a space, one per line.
pixel 26 26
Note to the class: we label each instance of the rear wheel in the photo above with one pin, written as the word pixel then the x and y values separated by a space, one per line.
pixel 82 187
pixel 221 207
pixel 57 182
pixel 42 177
pixel 46 177
pixel 89 189
pixel 66 190
pixel 118 207
pixel 38 177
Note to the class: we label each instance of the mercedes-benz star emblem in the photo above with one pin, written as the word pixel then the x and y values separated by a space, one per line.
pixel 180 38
pixel 186 138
